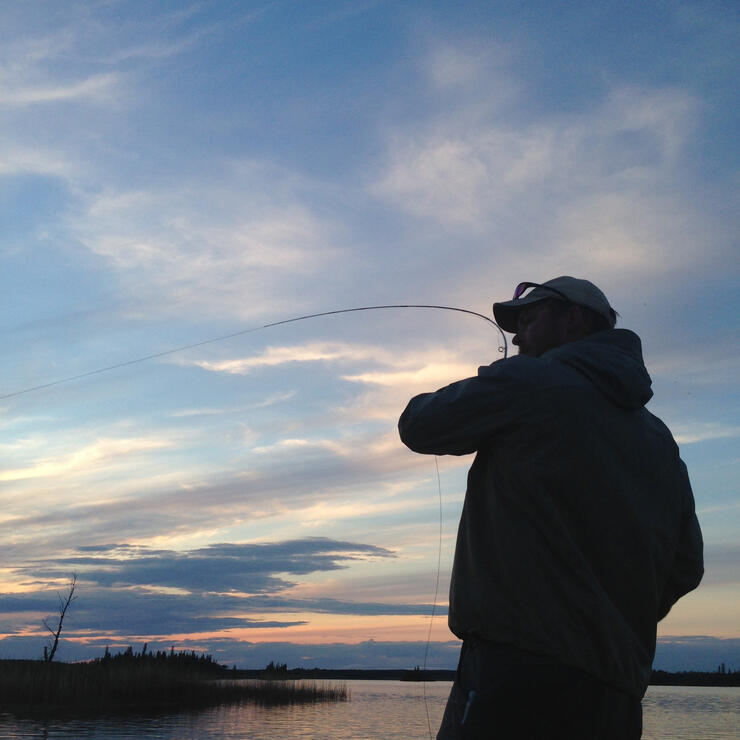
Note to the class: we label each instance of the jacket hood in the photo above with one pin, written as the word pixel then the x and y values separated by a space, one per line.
pixel 612 361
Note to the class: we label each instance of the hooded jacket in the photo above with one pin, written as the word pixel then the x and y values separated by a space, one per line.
pixel 578 532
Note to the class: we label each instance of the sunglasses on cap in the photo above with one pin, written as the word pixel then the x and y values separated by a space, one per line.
pixel 524 287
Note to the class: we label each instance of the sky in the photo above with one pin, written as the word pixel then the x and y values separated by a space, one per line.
pixel 175 172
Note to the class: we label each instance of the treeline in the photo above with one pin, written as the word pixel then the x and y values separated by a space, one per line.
pixel 180 661
pixel 275 670
pixel 130 681
pixel 721 677
pixel 280 671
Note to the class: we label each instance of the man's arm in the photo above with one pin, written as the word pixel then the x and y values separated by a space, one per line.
pixel 688 565
pixel 459 418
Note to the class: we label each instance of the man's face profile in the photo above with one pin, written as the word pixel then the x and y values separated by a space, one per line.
pixel 539 329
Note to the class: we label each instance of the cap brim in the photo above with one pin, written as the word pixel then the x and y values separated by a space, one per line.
pixel 507 313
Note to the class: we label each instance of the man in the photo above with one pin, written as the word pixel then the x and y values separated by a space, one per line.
pixel 578 531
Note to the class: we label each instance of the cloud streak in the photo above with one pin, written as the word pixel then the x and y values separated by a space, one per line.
pixel 96 88
pixel 172 246
pixel 102 452
pixel 240 567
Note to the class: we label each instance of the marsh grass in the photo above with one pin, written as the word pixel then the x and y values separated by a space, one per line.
pixel 143 682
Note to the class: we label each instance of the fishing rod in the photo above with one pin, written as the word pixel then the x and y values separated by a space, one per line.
pixel 503 347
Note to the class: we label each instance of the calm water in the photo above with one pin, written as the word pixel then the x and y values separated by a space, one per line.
pixel 378 710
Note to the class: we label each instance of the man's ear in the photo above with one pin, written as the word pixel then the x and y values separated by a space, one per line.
pixel 576 323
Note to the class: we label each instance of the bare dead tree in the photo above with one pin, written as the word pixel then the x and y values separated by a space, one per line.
pixel 63 606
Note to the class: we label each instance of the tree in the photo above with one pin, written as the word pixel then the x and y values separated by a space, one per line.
pixel 63 606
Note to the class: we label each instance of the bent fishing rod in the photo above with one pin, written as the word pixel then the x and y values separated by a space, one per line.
pixel 503 347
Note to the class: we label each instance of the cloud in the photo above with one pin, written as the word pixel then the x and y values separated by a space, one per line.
pixel 598 181
pixel 433 375
pixel 458 175
pixel 106 452
pixel 698 431
pixel 399 369
pixel 108 613
pixel 40 70
pixel 54 46
pixel 696 652
pixel 22 160
pixel 274 356
pixel 229 246
pixel 270 400
pixel 451 66
pixel 97 88
pixel 310 446
pixel 243 567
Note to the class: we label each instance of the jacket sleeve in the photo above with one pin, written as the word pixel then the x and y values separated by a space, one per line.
pixel 459 418
pixel 688 564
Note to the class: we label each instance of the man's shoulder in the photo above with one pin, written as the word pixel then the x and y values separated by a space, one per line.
pixel 530 371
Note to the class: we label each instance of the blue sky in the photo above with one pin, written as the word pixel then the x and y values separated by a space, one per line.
pixel 172 172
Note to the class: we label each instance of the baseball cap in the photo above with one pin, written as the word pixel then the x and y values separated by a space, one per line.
pixel 564 288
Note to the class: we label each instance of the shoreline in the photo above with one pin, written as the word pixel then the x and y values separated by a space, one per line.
pixel 659 677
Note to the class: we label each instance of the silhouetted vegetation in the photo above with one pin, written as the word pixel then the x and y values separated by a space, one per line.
pixel 143 680
pixel 276 670
pixel 721 677
pixel 50 650
pixel 347 674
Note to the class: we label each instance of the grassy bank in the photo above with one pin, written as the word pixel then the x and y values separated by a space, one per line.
pixel 143 681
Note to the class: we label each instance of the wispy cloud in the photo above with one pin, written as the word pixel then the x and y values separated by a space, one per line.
pixel 88 458
pixel 457 174
pixel 21 160
pixel 95 88
pixel 274 356
pixel 271 400
pixel 397 368
pixel 464 66
pixel 171 247
pixel 703 431
pixel 600 178
pixel 433 375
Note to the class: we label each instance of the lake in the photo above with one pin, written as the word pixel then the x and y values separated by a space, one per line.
pixel 378 710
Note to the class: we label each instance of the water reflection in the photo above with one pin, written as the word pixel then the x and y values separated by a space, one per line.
pixel 691 712
pixel 378 710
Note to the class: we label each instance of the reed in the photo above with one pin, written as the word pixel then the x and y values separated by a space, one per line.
pixel 38 686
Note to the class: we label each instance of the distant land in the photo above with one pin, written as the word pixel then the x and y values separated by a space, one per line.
pixel 720 677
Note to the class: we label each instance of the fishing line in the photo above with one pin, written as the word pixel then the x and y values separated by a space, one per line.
pixel 434 602
pixel 165 353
